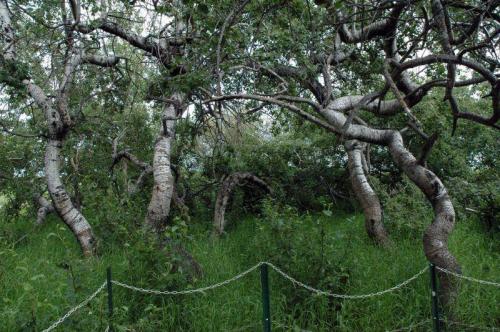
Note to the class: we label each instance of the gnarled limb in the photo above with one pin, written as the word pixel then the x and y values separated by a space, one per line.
pixel 365 194
pixel 372 30
pixel 225 191
pixel 436 235
pixel 125 154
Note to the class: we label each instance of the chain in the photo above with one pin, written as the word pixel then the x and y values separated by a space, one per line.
pixel 294 281
pixel 245 328
pixel 409 327
pixel 484 282
pixel 70 312
pixel 345 296
pixel 286 276
pixel 189 291
pixel 291 328
pixel 476 327
pixel 406 328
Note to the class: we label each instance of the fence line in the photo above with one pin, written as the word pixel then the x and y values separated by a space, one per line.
pixel 286 276
pixel 72 310
pixel 189 291
pixel 450 322
pixel 283 274
pixel 484 282
pixel 409 327
pixel 346 296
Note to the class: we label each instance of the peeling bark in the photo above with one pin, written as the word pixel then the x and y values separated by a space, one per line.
pixel 76 222
pixel 225 191
pixel 161 197
pixel 365 194
pixel 65 208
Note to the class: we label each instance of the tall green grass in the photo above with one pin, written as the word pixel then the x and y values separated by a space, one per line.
pixel 43 275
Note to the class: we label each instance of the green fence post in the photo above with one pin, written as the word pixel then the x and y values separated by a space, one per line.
pixel 264 280
pixel 110 298
pixel 434 297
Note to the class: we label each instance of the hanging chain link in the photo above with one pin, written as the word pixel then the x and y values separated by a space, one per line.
pixel 286 276
pixel 475 327
pixel 189 291
pixel 409 327
pixel 79 306
pixel 484 282
pixel 283 274
pixel 346 296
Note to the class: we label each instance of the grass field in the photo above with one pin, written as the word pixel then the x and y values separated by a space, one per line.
pixel 43 275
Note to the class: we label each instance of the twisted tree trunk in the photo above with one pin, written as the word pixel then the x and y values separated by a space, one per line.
pixel 436 235
pixel 161 197
pixel 435 240
pixel 225 191
pixel 365 194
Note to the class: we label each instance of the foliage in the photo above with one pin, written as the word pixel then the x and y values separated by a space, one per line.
pixel 308 227
pixel 42 276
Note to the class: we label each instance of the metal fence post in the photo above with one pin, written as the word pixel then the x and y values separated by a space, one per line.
pixel 434 297
pixel 110 298
pixel 264 280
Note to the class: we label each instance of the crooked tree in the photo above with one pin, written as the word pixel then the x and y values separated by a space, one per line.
pixel 55 106
pixel 349 65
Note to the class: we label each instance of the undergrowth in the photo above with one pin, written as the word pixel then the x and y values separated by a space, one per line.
pixel 42 275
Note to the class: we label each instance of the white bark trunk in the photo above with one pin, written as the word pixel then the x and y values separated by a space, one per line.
pixel 6 33
pixel 58 124
pixel 62 201
pixel 161 197
pixel 436 236
pixel 365 194
pixel 75 221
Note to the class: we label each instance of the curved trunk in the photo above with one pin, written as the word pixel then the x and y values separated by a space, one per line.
pixel 159 206
pixel 62 201
pixel 435 240
pixel 59 122
pixel 225 192
pixel 365 194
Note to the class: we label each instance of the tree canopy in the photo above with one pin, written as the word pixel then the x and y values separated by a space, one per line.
pixel 152 105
